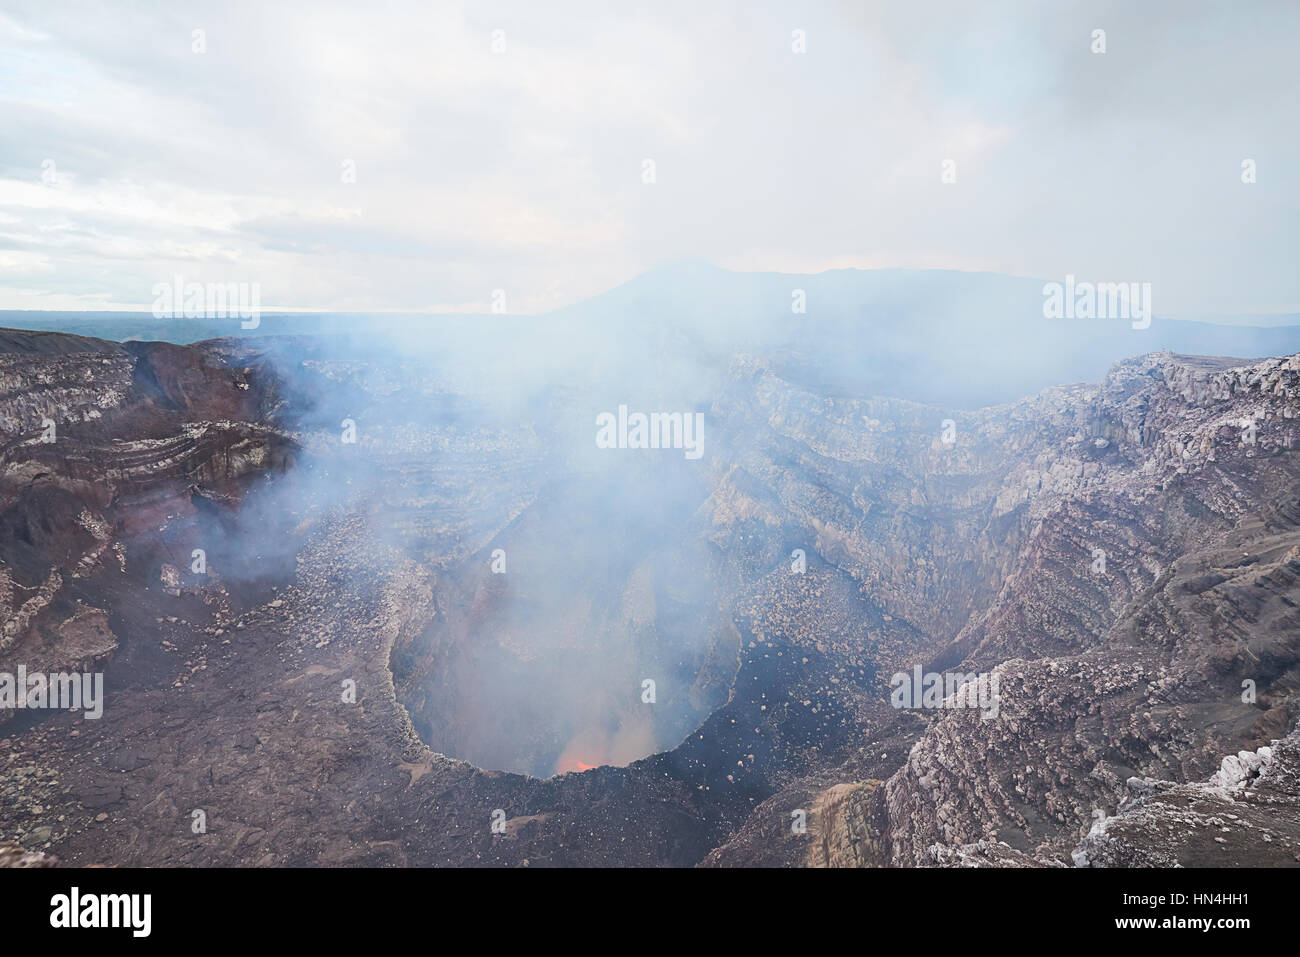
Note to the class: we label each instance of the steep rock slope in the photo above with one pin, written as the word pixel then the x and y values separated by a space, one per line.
pixel 1106 671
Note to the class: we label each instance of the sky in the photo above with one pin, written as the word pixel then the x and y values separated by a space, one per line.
pixel 504 146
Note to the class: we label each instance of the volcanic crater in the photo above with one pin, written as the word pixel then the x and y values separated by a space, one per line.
pixel 407 649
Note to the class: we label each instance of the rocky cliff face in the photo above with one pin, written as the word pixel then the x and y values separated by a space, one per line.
pixel 1123 557
pixel 1177 649
pixel 95 451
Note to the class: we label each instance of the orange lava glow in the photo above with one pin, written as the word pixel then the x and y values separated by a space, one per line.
pixel 595 748
pixel 567 764
pixel 586 751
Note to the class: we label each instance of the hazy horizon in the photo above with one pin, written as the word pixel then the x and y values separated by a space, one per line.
pixel 1230 317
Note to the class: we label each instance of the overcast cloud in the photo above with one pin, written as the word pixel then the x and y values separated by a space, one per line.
pixel 522 170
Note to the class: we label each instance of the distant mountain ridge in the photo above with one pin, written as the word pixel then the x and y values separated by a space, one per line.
pixel 948 338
